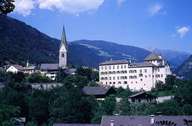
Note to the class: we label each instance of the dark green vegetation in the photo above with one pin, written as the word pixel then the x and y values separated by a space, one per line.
pixel 185 69
pixel 68 104
pixel 6 6
pixel 29 44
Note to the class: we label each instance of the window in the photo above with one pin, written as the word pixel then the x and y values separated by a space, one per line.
pixel 117 67
pixel 145 70
pixel 62 55
pixel 114 67
pixel 125 82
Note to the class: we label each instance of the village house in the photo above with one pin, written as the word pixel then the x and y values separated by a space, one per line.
pixel 99 92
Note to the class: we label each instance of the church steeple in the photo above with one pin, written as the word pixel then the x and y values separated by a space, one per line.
pixel 63 51
pixel 63 38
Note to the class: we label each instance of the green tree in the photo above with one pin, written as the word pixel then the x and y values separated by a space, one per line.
pixel 38 106
pixel 109 104
pixel 123 107
pixel 37 78
pixel 167 108
pixel 6 6
pixel 183 92
pixel 69 106
pixel 6 113
pixel 89 73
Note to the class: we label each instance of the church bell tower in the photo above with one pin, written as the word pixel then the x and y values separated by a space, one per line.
pixel 63 51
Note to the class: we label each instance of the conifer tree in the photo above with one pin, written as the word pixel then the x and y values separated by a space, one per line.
pixel 6 6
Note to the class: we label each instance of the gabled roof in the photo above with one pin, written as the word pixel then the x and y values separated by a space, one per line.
pixel 18 67
pixel 145 120
pixel 96 91
pixel 114 62
pixel 49 66
pixel 153 56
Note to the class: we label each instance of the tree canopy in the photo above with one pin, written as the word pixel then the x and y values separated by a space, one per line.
pixel 6 6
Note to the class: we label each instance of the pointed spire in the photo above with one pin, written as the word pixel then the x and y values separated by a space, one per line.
pixel 63 38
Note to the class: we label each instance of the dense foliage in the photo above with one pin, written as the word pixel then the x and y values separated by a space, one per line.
pixel 68 104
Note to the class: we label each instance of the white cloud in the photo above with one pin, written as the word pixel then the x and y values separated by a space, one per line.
pixel 156 9
pixel 182 31
pixel 120 2
pixel 24 7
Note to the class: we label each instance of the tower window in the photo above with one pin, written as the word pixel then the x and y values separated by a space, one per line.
pixel 62 55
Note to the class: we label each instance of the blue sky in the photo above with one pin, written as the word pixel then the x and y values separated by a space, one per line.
pixel 164 24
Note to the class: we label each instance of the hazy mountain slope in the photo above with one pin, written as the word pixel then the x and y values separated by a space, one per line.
pixel 185 70
pixel 175 58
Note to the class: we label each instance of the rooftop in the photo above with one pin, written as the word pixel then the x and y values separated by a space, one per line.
pixel 114 62
pixel 153 56
pixel 49 66
pixel 95 91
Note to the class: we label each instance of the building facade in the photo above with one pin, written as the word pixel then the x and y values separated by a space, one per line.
pixel 136 76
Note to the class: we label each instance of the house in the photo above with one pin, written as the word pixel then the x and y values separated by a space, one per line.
pixel 49 70
pixel 135 76
pixel 142 97
pixel 29 69
pixel 99 92
pixel 15 68
pixel 139 121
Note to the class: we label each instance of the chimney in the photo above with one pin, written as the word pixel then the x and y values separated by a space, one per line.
pixel 152 120
pixel 112 123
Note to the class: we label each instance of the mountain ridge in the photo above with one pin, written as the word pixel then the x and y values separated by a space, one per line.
pixel 30 44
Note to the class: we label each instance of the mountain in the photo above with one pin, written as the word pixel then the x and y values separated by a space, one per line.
pixel 175 58
pixel 185 70
pixel 91 53
pixel 20 42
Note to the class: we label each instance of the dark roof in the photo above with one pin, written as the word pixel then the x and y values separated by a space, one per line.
pixel 70 71
pixel 144 64
pixel 143 93
pixel 153 56
pixel 94 91
pixel 144 120
pixel 114 62
pixel 49 66
pixel 125 120
pixel 73 124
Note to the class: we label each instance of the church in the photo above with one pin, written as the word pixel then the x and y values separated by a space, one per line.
pixel 50 69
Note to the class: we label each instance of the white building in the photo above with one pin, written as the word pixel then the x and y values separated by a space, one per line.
pixel 136 76
pixel 14 69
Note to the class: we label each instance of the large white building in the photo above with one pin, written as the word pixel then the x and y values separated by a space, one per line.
pixel 136 76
